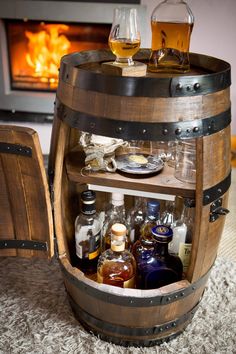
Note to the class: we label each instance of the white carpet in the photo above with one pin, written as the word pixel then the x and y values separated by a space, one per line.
pixel 35 316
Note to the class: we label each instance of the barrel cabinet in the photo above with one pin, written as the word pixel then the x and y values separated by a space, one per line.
pixel 152 108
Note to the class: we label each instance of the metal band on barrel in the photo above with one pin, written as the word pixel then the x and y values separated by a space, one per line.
pixel 133 130
pixel 122 331
pixel 24 244
pixel 15 149
pixel 74 70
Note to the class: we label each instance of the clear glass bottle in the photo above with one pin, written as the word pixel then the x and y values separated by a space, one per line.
pixel 183 234
pixel 160 268
pixel 88 234
pixel 115 214
pixel 117 266
pixel 152 217
pixel 172 23
pixel 136 217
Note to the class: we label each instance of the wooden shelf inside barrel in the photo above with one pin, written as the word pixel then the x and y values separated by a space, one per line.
pixel 164 182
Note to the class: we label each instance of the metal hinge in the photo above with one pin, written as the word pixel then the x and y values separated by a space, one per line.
pixel 216 210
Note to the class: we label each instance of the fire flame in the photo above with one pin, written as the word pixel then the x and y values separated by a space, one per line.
pixel 45 49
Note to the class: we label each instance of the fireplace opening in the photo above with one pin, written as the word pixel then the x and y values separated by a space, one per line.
pixel 35 49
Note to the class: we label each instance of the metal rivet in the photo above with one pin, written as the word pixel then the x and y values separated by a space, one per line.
pixel 219 190
pixel 23 245
pixel 174 324
pixel 131 301
pixel 168 299
pixel 165 131
pixel 179 87
pixel 195 129
pixel 144 131
pixel 119 130
pixel 196 86
pixel 5 244
pixel 193 287
pixel 92 125
pixel 188 130
pixel 150 302
pixel 167 327
pixel 182 294
pixel 161 329
pixel 206 198
pixel 176 296
pixel 178 131
pixel 188 88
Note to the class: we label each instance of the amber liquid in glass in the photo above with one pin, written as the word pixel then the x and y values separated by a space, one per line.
pixel 124 48
pixel 170 47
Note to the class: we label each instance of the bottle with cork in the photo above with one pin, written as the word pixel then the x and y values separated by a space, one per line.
pixel 116 265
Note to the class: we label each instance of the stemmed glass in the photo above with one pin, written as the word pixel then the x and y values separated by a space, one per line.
pixel 124 39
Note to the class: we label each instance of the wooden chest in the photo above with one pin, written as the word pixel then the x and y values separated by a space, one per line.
pixel 153 107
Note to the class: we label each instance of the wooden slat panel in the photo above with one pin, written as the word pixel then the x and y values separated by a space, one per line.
pixel 217 155
pixel 143 109
pixel 6 219
pixel 28 195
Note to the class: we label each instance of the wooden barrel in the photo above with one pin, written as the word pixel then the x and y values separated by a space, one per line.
pixel 154 107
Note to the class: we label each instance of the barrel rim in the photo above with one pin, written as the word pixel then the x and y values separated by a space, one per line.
pixel 129 297
pixel 217 77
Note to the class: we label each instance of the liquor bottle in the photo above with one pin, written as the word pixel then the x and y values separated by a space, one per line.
pixel 142 250
pixel 160 268
pixel 136 217
pixel 115 214
pixel 152 217
pixel 116 266
pixel 88 234
pixel 172 23
pixel 183 233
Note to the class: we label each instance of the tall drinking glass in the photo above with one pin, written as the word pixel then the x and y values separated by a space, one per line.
pixel 124 38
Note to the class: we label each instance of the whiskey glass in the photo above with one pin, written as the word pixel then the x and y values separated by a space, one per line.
pixel 124 39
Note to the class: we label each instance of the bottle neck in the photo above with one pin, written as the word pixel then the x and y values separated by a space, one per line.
pixel 88 208
pixel 118 243
pixel 161 248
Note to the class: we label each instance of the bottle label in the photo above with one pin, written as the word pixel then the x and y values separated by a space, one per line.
pixel 184 254
pixel 90 248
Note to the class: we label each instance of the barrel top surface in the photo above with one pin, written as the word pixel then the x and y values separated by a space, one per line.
pixel 83 70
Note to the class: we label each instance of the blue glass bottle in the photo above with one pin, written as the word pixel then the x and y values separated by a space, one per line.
pixel 158 268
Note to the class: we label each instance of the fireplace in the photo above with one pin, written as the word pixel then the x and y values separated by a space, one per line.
pixel 36 47
pixel 35 34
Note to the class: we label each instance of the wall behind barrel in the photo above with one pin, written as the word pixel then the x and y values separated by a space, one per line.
pixel 213 34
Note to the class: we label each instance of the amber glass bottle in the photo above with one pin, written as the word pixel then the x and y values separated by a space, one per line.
pixel 116 266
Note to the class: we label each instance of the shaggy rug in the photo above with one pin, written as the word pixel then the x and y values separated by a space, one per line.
pixel 35 316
